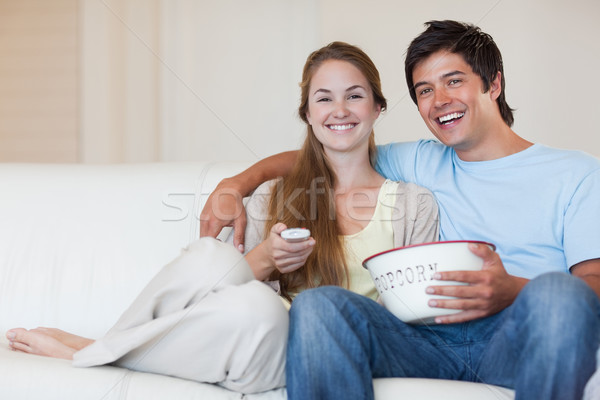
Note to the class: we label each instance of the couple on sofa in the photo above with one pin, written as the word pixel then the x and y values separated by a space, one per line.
pixel 206 316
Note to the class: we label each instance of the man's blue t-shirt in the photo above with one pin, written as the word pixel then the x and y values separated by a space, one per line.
pixel 540 207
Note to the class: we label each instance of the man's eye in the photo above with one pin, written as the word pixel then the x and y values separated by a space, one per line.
pixel 424 91
pixel 454 81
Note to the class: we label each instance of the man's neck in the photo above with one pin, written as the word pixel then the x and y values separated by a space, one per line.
pixel 500 144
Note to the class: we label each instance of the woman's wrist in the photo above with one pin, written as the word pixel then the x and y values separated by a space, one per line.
pixel 260 262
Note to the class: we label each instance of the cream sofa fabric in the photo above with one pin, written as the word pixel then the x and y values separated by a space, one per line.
pixel 78 242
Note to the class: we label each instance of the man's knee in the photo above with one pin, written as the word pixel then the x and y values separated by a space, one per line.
pixel 317 303
pixel 558 299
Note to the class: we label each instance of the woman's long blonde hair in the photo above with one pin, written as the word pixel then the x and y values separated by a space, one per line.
pixel 305 198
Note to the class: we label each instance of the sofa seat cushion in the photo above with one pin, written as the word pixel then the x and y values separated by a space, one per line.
pixel 416 388
pixel 25 377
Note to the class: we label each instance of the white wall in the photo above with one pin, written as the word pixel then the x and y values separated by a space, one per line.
pixel 172 80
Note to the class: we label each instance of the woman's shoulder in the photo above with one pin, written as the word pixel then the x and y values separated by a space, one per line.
pixel 410 196
pixel 406 188
pixel 261 194
pixel 266 187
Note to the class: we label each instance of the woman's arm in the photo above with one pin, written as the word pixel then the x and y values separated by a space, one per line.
pixel 266 255
pixel 224 205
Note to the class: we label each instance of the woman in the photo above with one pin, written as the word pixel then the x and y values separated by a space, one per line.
pixel 206 316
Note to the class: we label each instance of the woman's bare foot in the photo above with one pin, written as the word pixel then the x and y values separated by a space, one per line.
pixel 36 341
pixel 66 338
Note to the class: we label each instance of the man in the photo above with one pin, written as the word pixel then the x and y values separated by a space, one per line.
pixel 530 319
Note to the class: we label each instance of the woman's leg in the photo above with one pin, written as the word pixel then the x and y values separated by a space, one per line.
pixel 236 338
pixel 203 317
pixel 204 266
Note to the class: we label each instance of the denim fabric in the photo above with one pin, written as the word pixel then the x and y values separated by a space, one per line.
pixel 543 345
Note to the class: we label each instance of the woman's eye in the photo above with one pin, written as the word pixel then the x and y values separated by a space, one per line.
pixel 355 96
pixel 323 99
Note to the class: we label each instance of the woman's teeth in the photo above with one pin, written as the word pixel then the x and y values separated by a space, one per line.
pixel 341 127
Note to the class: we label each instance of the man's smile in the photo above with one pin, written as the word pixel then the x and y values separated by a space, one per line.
pixel 449 118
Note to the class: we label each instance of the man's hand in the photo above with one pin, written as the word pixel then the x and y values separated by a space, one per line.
pixel 488 291
pixel 223 208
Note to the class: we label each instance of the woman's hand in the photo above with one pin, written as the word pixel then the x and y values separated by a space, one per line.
pixel 287 256
pixel 274 253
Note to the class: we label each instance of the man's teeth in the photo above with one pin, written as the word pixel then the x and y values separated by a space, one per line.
pixel 450 117
pixel 341 127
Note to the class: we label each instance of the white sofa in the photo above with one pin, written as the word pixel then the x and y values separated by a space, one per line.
pixel 77 243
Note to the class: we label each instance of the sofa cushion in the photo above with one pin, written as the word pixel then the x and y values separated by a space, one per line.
pixel 25 377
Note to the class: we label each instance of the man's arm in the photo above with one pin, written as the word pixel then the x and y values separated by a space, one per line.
pixel 224 206
pixel 492 289
pixel 589 271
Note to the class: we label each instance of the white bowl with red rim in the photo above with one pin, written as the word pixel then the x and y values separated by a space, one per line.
pixel 402 275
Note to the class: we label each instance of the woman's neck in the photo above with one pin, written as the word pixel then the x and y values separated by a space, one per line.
pixel 353 173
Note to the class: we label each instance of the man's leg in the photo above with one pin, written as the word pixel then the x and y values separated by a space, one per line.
pixel 339 341
pixel 546 345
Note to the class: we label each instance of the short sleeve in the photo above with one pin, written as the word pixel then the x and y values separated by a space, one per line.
pixel 396 161
pixel 582 221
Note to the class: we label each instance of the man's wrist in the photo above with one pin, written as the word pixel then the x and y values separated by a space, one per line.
pixel 233 183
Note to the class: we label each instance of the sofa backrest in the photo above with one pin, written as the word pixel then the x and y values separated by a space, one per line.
pixel 78 242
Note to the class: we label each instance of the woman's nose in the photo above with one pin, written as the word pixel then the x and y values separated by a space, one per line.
pixel 341 109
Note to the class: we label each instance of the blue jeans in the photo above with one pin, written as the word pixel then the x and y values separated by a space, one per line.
pixel 543 345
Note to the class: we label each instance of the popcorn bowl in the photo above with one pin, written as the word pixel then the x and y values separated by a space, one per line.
pixel 402 275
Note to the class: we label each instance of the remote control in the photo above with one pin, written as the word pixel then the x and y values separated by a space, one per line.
pixel 295 234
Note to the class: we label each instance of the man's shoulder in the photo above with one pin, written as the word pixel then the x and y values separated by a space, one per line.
pixel 565 157
pixel 408 161
pixel 420 149
pixel 418 145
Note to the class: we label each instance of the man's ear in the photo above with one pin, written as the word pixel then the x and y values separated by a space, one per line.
pixel 496 86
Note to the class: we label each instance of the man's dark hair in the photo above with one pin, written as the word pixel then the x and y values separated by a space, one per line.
pixel 476 47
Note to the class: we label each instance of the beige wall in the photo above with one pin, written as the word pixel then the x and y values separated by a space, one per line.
pixel 178 80
pixel 38 80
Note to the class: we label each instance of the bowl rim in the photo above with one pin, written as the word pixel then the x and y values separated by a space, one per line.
pixel 364 263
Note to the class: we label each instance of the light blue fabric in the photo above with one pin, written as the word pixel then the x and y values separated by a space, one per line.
pixel 541 206
pixel 339 341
